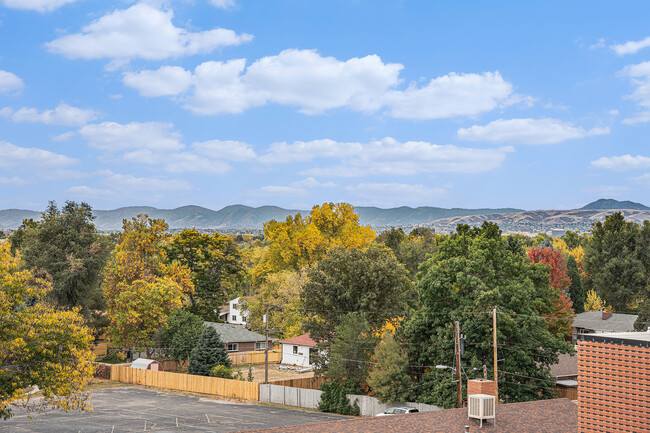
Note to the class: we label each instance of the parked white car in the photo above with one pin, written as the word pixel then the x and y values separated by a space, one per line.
pixel 398 411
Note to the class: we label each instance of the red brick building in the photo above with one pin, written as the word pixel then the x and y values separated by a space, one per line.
pixel 614 382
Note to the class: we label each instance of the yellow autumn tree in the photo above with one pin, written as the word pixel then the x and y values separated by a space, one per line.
pixel 40 345
pixel 301 242
pixel 595 303
pixel 140 287
pixel 578 253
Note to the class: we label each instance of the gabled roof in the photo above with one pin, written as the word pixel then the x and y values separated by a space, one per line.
pixel 542 416
pixel 594 321
pixel 235 334
pixel 301 340
pixel 567 365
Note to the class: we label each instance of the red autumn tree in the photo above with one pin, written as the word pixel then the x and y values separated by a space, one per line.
pixel 561 317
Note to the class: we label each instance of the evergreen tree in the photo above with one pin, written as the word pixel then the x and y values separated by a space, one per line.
pixel 389 379
pixel 576 291
pixel 208 353
pixel 182 334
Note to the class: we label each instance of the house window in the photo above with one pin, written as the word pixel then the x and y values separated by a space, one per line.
pixel 260 345
pixel 295 350
pixel 233 318
pixel 234 306
pixel 233 347
pixel 243 319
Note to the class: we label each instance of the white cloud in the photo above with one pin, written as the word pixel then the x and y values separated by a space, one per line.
pixel 63 114
pixel 631 47
pixel 450 96
pixel 10 82
pixel 597 45
pixel 315 84
pixel 12 156
pixel 639 75
pixel 141 31
pixel 396 193
pixel 119 186
pixel 223 4
pixel 622 162
pixel 36 5
pixel 114 137
pixel 224 149
pixel 527 131
pixel 14 180
pixel 299 188
pixel 643 180
pixel 386 157
pixel 166 81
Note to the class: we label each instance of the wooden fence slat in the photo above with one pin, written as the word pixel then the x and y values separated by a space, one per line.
pixel 254 357
pixel 186 382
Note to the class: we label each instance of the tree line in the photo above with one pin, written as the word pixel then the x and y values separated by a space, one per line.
pixel 380 307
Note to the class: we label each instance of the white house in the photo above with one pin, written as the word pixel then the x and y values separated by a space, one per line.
pixel 233 314
pixel 298 350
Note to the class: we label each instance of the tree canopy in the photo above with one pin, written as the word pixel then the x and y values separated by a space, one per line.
pixel 40 345
pixel 208 353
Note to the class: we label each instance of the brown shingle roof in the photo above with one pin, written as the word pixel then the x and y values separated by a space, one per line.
pixel 543 416
pixel 567 365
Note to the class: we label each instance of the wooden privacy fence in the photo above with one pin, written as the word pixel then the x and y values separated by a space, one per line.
pixel 255 357
pixel 302 382
pixel 187 382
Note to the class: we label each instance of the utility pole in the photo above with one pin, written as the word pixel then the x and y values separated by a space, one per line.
pixel 459 387
pixel 494 338
pixel 266 346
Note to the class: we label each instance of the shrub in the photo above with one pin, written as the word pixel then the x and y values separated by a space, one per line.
pixel 334 399
pixel 221 371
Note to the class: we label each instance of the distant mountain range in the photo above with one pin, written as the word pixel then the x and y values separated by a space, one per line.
pixel 240 217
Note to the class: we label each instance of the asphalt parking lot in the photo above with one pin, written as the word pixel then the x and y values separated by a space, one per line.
pixel 137 410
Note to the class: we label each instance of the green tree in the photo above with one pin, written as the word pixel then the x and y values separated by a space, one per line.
pixel 572 239
pixel 216 266
pixel 415 249
pixel 40 345
pixel 371 282
pixel 390 379
pixel 141 287
pixel 642 322
pixel 208 353
pixel 576 291
pixel 181 335
pixel 471 273
pixel 334 399
pixel 67 248
pixel 351 351
pixel 614 263
pixel 392 238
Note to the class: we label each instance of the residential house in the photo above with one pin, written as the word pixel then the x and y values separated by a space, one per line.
pixel 614 382
pixel 238 339
pixel 233 313
pixel 298 350
pixel 565 372
pixel 591 322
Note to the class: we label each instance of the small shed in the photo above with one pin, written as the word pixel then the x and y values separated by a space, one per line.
pixel 146 364
pixel 298 350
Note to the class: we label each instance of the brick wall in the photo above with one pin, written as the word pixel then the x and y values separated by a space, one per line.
pixel 480 386
pixel 613 386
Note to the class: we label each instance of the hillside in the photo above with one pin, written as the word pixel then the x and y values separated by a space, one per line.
pixel 245 217
pixel 540 220
pixel 608 203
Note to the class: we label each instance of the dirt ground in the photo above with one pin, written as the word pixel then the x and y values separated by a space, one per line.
pixel 274 373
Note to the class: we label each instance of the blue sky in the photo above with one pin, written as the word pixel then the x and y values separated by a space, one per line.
pixel 536 105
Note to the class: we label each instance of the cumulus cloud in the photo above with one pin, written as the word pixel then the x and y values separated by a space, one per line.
pixel 314 84
pixel 14 180
pixel 63 114
pixel 12 156
pixel 449 96
pixel 622 162
pixel 385 157
pixel 113 137
pixel 302 187
pixel 141 31
pixel 36 5
pixel 639 75
pixel 631 47
pixel 9 82
pixel 166 81
pixel 643 180
pixel 527 131
pixel 117 186
pixel 396 193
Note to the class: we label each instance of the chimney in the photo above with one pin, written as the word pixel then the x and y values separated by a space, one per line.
pixel 607 315
pixel 480 386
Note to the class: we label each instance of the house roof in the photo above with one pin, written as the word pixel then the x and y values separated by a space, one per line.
pixel 594 321
pixel 567 365
pixel 224 309
pixel 301 340
pixel 542 416
pixel 235 334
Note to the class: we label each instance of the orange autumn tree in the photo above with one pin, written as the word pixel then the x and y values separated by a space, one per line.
pixel 561 317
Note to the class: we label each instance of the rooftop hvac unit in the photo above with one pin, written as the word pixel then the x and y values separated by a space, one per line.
pixel 481 406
